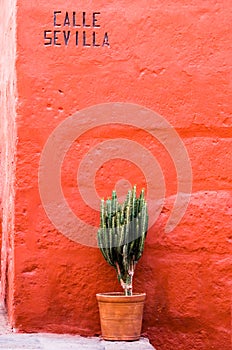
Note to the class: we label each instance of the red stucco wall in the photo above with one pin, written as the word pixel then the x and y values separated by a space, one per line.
pixel 174 58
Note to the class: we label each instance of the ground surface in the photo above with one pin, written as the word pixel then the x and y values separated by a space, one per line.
pixel 12 340
pixel 58 342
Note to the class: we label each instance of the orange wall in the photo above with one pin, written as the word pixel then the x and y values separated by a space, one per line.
pixel 174 58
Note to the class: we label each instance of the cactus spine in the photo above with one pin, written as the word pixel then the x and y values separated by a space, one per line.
pixel 122 233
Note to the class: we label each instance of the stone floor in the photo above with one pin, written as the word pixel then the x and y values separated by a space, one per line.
pixel 66 342
pixel 17 341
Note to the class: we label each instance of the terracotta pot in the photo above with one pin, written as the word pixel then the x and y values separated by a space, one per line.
pixel 121 316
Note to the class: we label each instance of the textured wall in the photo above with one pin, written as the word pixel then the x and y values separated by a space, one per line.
pixel 174 58
pixel 7 145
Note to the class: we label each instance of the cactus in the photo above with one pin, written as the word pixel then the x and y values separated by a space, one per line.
pixel 122 233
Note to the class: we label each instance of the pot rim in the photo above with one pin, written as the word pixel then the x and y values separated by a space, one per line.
pixel 120 297
pixel 120 294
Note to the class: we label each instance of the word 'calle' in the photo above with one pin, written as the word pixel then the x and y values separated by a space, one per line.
pixel 88 33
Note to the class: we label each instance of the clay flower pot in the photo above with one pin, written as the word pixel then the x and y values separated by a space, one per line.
pixel 121 316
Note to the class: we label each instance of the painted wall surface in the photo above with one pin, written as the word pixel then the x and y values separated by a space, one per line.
pixel 175 59
pixel 7 146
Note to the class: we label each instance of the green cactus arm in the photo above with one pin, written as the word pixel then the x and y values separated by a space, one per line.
pixel 107 244
pixel 141 200
pixel 122 235
pixel 144 218
pixel 144 226
pixel 103 248
pixel 118 219
pixel 133 202
pixel 114 203
pixel 110 243
pixel 108 213
pixel 102 213
pixel 140 248
pixel 122 214
pixel 127 224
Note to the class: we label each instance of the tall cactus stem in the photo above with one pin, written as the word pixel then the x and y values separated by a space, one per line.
pixel 122 234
